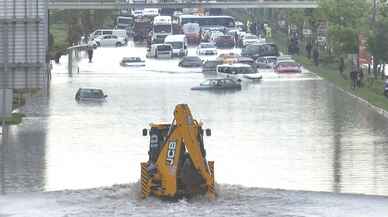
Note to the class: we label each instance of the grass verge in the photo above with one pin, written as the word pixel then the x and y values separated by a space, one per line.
pixel 373 92
pixel 15 119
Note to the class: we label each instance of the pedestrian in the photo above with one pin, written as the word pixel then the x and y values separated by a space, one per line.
pixel 57 57
pixel 353 78
pixel 341 65
pixel 360 77
pixel 236 39
pixel 316 56
pixel 90 53
pixel 309 47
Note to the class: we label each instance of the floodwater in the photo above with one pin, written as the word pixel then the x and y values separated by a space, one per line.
pixel 294 132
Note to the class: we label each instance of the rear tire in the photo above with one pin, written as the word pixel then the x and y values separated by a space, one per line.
pixel 118 44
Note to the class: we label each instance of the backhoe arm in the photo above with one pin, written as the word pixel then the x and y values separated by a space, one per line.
pixel 188 130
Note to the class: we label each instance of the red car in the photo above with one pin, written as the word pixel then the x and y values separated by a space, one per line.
pixel 288 67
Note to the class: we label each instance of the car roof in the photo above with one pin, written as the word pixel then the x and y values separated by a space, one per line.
pixel 287 62
pixel 235 65
pixel 89 89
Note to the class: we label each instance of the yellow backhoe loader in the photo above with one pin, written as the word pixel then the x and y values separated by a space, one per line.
pixel 177 165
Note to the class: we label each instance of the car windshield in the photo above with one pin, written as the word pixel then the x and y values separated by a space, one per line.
pixel 236 70
pixel 211 64
pixel 192 59
pixel 251 37
pixel 164 48
pixel 162 28
pixel 91 93
pixel 287 64
pixel 243 70
pixel 132 59
pixel 207 46
pixel 263 50
pixel 176 45
pixel 209 83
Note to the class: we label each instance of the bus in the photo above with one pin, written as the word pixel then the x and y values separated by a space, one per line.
pixel 208 21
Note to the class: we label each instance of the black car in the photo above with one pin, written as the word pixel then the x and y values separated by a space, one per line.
pixel 90 94
pixel 255 51
pixel 190 61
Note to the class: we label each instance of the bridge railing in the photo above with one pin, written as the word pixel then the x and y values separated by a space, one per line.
pixel 117 4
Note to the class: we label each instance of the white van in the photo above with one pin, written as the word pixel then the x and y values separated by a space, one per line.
pixel 161 51
pixel 117 32
pixel 178 43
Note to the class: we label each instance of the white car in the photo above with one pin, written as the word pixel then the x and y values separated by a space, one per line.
pixel 110 40
pixel 251 39
pixel 206 49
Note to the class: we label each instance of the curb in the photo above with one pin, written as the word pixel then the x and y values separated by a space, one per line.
pixel 379 110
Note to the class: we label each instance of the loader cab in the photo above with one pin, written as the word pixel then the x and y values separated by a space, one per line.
pixel 158 134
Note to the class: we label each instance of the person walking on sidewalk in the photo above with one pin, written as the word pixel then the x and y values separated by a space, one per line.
pixel 309 47
pixel 316 56
pixel 353 78
pixel 341 66
pixel 90 53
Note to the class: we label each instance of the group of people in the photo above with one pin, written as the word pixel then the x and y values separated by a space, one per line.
pixel 259 29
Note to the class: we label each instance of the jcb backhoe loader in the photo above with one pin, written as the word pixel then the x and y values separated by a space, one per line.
pixel 177 165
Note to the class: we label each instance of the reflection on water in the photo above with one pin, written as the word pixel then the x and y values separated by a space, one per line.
pixel 288 132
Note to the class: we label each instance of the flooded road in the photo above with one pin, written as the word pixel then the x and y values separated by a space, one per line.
pixel 293 132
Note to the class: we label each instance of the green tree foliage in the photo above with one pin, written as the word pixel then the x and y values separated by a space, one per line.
pixel 346 19
pixel 377 42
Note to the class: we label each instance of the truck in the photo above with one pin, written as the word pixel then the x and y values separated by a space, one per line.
pixel 125 22
pixel 161 28
pixel 141 28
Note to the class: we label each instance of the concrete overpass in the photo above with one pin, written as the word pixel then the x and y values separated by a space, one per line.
pixel 118 4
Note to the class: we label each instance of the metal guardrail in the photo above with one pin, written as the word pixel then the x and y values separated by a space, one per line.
pixel 117 4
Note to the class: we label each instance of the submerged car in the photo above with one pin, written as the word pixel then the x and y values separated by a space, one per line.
pixel 90 94
pixel 190 61
pixel 132 61
pixel 229 58
pixel 288 67
pixel 267 62
pixel 218 84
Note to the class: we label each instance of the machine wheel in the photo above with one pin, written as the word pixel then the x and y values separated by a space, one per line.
pixel 118 44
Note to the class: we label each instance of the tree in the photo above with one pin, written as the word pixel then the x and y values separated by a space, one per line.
pixel 377 43
pixel 346 19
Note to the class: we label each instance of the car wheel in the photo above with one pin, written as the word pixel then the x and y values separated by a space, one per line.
pixel 118 44
pixel 98 44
